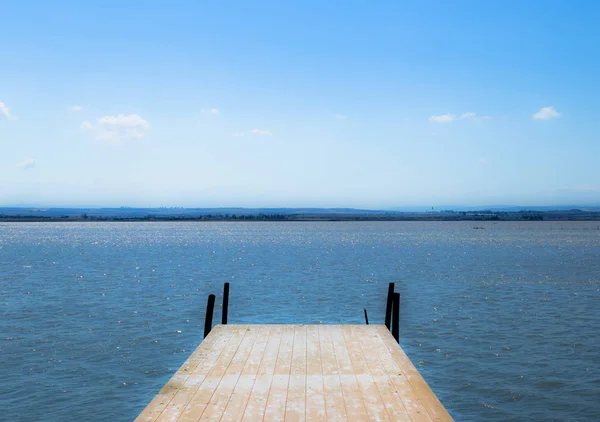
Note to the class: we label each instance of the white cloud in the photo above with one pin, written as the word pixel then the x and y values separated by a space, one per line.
pixel 75 108
pixel 118 128
pixel 27 163
pixel 261 132
pixel 473 116
pixel 4 112
pixel 211 111
pixel 442 118
pixel 341 116
pixel 546 113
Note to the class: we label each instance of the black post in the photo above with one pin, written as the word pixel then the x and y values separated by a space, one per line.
pixel 388 307
pixel 366 317
pixel 225 303
pixel 396 323
pixel 210 306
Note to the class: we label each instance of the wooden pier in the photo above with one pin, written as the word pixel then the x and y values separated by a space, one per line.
pixel 297 373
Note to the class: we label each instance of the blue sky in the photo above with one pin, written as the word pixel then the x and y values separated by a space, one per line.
pixel 358 104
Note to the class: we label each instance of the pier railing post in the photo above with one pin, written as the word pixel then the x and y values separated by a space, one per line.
pixel 388 307
pixel 396 323
pixel 210 306
pixel 225 303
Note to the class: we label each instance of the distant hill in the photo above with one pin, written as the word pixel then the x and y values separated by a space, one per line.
pixel 296 214
pixel 501 208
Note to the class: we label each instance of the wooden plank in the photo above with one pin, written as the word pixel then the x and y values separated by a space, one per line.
pixel 335 408
pixel 205 353
pixel 275 410
pixel 376 407
pixel 341 350
pixel 258 350
pixel 393 404
pixel 269 359
pixel 286 347
pixel 295 407
pixel 296 399
pixel 328 361
pixel 315 398
pixel 427 397
pixel 276 403
pixel 372 399
pixel 257 403
pixel 184 395
pixel 410 398
pixel 239 399
pixel 299 351
pixel 359 364
pixel 195 408
pixel 219 400
pixel 313 351
pixel 353 399
pixel 220 397
pixel 241 394
pixel 154 409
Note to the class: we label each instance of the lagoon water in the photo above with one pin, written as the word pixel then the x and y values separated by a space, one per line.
pixel 503 322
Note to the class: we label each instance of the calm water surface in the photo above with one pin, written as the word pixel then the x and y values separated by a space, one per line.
pixel 502 322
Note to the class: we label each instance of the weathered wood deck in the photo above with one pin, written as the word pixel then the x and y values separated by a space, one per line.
pixel 297 372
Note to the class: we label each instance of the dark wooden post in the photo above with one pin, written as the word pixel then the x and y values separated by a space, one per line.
pixel 210 306
pixel 366 317
pixel 225 303
pixel 388 306
pixel 396 323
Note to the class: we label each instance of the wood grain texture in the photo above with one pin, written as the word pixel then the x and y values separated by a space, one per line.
pixel 297 373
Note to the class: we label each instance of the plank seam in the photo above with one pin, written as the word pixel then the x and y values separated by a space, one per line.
pixel 427 408
pixel 241 370
pixel 376 385
pixel 221 380
pixel 212 340
pixel 255 375
pixel 271 385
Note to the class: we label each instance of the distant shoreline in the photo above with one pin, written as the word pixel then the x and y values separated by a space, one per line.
pixel 282 215
pixel 266 220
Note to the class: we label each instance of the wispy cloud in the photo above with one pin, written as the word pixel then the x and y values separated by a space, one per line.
pixel 546 113
pixel 449 117
pixel 341 116
pixel 5 112
pixel 75 108
pixel 211 111
pixel 27 163
pixel 237 134
pixel 472 116
pixel 442 118
pixel 118 128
